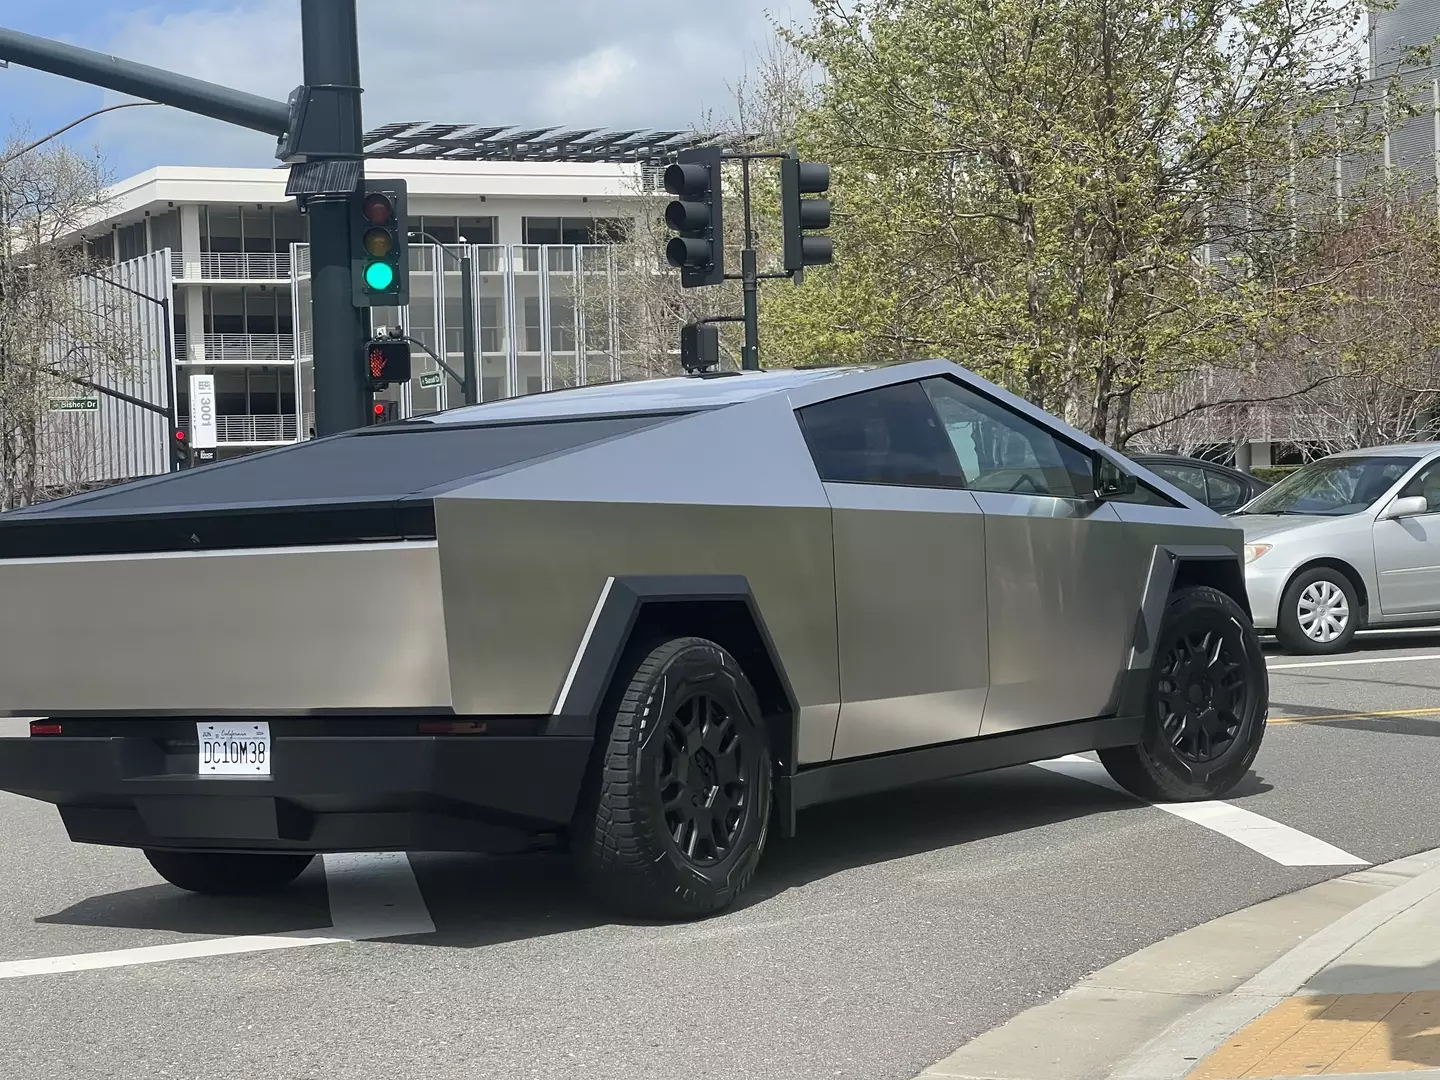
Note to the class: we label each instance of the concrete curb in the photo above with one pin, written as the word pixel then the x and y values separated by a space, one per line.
pixel 1174 1053
pixel 1196 988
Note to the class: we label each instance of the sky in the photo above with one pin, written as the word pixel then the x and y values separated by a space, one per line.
pixel 571 63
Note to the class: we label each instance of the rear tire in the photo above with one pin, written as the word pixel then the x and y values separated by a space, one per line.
pixel 1206 708
pixel 218 874
pixel 1319 612
pixel 675 812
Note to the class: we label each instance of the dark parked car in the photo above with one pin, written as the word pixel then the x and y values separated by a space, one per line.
pixel 1219 487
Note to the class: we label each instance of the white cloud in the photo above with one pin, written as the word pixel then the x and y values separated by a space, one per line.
pixel 580 63
pixel 600 75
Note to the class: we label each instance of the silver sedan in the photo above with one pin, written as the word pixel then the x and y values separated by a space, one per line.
pixel 1346 542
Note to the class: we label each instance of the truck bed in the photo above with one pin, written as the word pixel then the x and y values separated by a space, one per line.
pixel 300 581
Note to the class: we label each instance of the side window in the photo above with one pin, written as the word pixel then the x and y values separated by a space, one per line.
pixel 1427 483
pixel 889 435
pixel 1226 493
pixel 1187 478
pixel 1002 451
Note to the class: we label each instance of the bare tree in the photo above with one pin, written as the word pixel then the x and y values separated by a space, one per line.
pixel 644 293
pixel 53 332
pixel 1358 367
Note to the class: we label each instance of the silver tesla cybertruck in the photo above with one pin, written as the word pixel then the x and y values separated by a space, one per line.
pixel 644 622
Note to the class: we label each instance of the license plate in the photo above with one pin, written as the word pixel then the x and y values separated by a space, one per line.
pixel 238 749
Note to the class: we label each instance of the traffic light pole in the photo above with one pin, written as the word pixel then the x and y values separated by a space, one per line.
pixel 430 353
pixel 750 358
pixel 164 303
pixel 330 129
pixel 139 403
pixel 749 275
pixel 470 384
pixel 331 50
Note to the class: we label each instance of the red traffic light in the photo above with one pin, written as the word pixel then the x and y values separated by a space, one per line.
pixel 378 209
pixel 378 408
pixel 180 436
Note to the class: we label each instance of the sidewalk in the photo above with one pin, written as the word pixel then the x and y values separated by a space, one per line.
pixel 1341 979
pixel 1373 1010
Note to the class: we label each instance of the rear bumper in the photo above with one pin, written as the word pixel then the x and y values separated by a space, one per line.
pixel 347 793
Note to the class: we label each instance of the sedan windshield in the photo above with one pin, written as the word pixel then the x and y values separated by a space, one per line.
pixel 1332 487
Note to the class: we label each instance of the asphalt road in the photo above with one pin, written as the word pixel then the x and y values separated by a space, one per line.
pixel 892 930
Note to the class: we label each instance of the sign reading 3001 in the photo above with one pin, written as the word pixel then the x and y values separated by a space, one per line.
pixel 204 428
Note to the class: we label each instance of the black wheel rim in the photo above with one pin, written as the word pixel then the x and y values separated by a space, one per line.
pixel 704 788
pixel 1203 693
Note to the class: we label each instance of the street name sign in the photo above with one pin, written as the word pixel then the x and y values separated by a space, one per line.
pixel 74 404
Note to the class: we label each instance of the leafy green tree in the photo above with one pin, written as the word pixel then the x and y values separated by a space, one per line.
pixel 1085 200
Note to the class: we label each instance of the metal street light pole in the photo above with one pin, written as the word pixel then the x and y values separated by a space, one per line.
pixel 325 116
pixel 470 385
pixel 74 123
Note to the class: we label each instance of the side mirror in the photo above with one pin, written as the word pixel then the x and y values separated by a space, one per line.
pixel 1111 481
pixel 1409 506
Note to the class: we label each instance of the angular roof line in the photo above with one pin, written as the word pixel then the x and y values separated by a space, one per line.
pixel 474 142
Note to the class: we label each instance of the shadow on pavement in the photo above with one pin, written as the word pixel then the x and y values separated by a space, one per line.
pixel 1252 783
pixel 1426 725
pixel 303 906
pixel 1403 1000
pixel 1378 641
pixel 478 900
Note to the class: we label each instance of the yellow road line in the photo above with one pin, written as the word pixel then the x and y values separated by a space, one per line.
pixel 1353 716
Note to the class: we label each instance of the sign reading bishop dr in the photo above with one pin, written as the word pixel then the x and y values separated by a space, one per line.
pixel 204 430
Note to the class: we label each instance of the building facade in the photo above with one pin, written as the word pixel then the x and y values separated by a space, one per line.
pixel 222 256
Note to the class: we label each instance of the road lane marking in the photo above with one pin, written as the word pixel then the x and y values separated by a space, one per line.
pixel 1352 716
pixel 375 896
pixel 371 896
pixel 1277 842
pixel 1346 663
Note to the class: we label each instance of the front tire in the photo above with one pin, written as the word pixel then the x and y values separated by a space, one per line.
pixel 674 815
pixel 1319 612
pixel 1205 712
pixel 219 874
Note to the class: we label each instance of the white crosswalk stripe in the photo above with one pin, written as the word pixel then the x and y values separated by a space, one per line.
pixel 1280 843
pixel 371 896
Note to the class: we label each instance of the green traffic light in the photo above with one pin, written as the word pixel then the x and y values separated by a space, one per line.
pixel 379 276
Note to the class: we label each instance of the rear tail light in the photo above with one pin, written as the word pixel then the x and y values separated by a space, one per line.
pixel 44 727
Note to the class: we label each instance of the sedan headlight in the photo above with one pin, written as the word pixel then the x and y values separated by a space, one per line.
pixel 1254 551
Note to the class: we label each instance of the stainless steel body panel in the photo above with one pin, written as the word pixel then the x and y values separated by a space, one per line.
pixel 933 614
pixel 271 631
pixel 910 599
pixel 524 556
pixel 1064 586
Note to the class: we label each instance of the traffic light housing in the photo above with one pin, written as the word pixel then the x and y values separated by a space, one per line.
pixel 797 179
pixel 382 412
pixel 697 215
pixel 387 361
pixel 380 244
pixel 699 347
pixel 179 448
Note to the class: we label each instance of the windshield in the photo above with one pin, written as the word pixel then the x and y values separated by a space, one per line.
pixel 1332 487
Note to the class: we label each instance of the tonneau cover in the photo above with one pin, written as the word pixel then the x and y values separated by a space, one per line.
pixel 369 485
